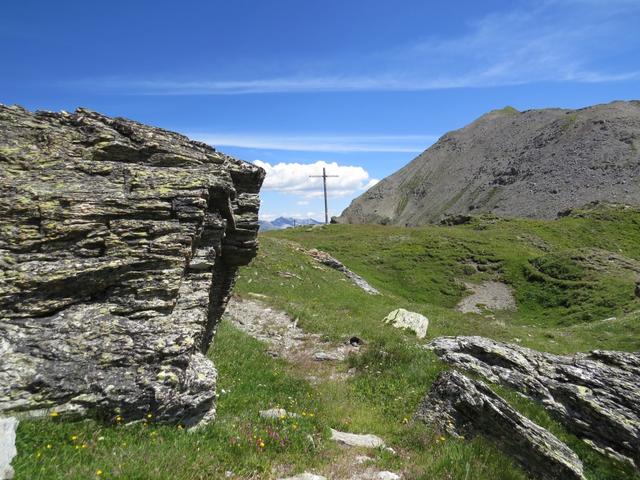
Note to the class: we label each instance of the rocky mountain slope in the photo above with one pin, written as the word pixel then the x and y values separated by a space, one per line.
pixel 119 246
pixel 534 164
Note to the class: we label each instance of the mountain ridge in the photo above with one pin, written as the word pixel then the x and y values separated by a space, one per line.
pixel 534 164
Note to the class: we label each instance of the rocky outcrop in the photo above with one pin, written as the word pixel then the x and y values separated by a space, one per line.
pixel 595 395
pixel 465 407
pixel 536 164
pixel 325 259
pixel 119 245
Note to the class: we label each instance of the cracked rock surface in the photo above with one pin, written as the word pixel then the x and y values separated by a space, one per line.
pixel 119 245
pixel 596 395
pixel 462 406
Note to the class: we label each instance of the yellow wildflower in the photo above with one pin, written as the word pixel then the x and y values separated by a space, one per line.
pixel 54 414
pixel 98 472
pixel 261 444
pixel 48 445
pixel 74 437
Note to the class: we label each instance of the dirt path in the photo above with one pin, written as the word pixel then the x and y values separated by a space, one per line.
pixel 286 340
pixel 309 353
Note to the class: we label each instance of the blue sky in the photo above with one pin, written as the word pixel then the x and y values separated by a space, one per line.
pixel 358 86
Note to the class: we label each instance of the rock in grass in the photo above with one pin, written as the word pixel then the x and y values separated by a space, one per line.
pixel 277 413
pixel 8 428
pixel 119 246
pixel 305 476
pixel 357 440
pixel 595 395
pixel 335 356
pixel 374 475
pixel 466 407
pixel 401 318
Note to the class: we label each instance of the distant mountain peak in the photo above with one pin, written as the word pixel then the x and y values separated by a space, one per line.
pixel 535 164
pixel 286 222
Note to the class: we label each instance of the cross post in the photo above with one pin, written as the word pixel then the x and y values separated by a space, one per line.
pixel 324 187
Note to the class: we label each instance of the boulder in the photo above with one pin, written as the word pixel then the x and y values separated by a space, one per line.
pixel 465 407
pixel 401 318
pixel 595 395
pixel 119 246
pixel 8 450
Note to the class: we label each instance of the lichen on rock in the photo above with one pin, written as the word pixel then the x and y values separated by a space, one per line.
pixel 119 246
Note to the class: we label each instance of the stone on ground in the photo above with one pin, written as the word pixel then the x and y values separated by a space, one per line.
pixel 465 407
pixel 357 440
pixel 401 318
pixel 375 475
pixel 277 413
pixel 8 428
pixel 305 476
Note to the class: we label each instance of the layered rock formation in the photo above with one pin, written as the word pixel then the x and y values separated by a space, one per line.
pixel 462 406
pixel 596 395
pixel 119 245
pixel 535 164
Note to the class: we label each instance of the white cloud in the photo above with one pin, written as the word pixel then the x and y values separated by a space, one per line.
pixel 320 143
pixel 296 179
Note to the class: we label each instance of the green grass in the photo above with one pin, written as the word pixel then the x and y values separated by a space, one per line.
pixel 566 285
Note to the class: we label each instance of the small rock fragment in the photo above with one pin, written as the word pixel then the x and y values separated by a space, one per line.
pixel 305 476
pixel 276 413
pixel 327 356
pixel 357 440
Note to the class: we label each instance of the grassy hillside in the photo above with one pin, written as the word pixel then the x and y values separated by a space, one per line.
pixel 569 278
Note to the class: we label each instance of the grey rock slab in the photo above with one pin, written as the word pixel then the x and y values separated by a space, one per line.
pixel 595 395
pixel 466 407
pixel 120 244
pixel 404 319
pixel 8 450
pixel 357 440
